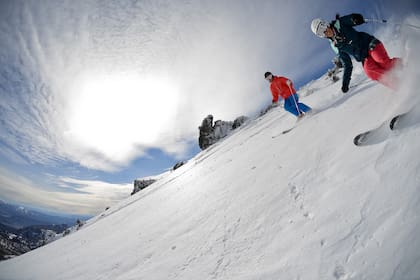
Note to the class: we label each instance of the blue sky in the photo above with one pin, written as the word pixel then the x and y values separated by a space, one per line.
pixel 97 93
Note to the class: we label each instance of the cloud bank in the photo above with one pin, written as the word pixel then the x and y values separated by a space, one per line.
pixel 100 82
pixel 87 197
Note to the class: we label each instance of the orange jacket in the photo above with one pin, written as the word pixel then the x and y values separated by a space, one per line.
pixel 281 86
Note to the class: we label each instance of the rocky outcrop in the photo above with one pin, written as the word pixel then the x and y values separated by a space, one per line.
pixel 178 165
pixel 211 133
pixel 333 72
pixel 141 184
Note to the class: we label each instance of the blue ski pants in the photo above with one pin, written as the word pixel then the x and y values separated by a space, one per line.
pixel 292 102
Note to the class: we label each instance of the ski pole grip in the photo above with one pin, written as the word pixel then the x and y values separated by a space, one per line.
pixel 375 20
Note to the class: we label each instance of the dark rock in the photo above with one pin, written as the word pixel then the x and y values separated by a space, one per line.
pixel 206 137
pixel 178 165
pixel 239 121
pixel 141 184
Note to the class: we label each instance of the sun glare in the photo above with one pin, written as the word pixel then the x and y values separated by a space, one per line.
pixel 113 113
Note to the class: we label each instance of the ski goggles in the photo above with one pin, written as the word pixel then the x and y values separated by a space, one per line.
pixel 321 28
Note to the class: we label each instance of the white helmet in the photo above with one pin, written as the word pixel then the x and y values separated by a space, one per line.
pixel 319 26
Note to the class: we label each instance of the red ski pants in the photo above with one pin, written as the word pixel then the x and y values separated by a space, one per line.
pixel 378 63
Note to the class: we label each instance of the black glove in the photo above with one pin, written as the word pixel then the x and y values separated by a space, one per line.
pixel 345 88
pixel 358 19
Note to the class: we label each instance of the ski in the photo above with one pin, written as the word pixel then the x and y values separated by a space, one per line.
pixel 284 131
pixel 380 133
pixel 307 115
pixel 287 130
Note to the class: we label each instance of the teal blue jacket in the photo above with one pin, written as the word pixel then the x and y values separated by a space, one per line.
pixel 350 42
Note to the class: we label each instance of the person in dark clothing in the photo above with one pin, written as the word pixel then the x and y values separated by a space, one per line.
pixel 362 46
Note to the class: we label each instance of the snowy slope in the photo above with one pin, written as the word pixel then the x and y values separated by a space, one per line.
pixel 259 205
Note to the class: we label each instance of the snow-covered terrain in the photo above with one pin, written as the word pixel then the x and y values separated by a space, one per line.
pixel 264 205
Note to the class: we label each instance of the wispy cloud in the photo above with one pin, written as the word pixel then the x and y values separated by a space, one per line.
pixel 87 197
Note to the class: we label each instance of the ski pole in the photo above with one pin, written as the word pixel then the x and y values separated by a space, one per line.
pixel 395 23
pixel 293 96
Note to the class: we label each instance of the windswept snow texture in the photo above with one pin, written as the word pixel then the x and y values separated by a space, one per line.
pixel 304 205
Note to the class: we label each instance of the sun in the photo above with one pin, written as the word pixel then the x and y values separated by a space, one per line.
pixel 113 113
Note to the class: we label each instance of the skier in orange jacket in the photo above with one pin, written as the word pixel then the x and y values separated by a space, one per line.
pixel 281 86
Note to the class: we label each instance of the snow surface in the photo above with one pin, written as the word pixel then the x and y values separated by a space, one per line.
pixel 263 205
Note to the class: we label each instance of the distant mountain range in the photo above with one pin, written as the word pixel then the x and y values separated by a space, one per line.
pixel 14 242
pixel 22 229
pixel 17 217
